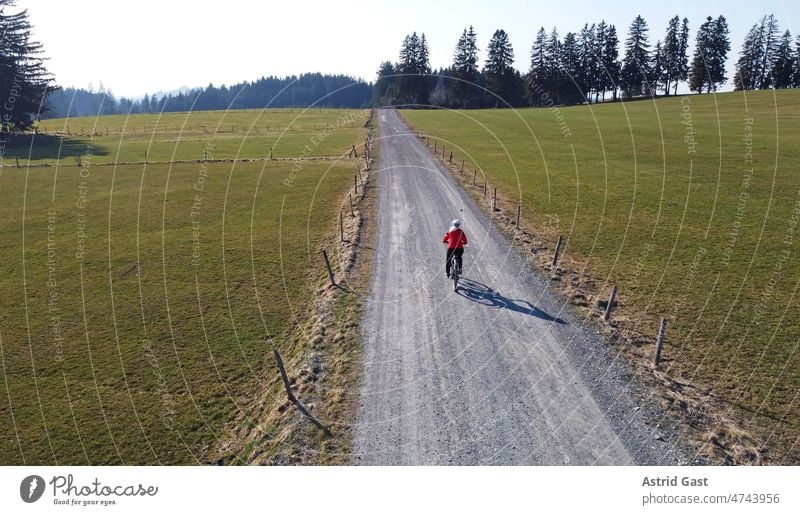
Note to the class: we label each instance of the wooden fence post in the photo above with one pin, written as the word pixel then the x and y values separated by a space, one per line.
pixel 557 251
pixel 519 210
pixel 474 174
pixel 351 204
pixel 494 199
pixel 355 184
pixel 485 185
pixel 341 226
pixel 451 157
pixel 660 343
pixel 328 266
pixel 611 298
pixel 285 378
pixel 434 147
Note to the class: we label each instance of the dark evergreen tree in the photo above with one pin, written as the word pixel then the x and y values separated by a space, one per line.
pixel 499 71
pixel 710 54
pixel 671 54
pixel 720 46
pixel 783 67
pixel 758 55
pixel 609 76
pixel 536 78
pixel 566 88
pixel 636 64
pixel 682 58
pixel 553 76
pixel 770 55
pixel 658 72
pixel 796 73
pixel 383 93
pixel 24 80
pixel 414 81
pixel 465 89
pixel 747 74
pixel 589 62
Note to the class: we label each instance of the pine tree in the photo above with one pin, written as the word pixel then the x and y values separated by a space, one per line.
pixel 588 62
pixel 720 46
pixel 536 78
pixel 682 59
pixel 747 76
pixel 24 80
pixel 796 73
pixel 758 55
pixel 770 55
pixel 553 76
pixel 658 73
pixel 146 103
pixel 413 84
pixel 710 54
pixel 671 54
pixel 600 79
pixel 637 61
pixel 464 91
pixel 783 67
pixel 498 70
pixel 566 88
pixel 609 62
pixel 384 90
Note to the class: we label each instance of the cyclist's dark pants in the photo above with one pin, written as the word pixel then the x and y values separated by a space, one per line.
pixel 459 253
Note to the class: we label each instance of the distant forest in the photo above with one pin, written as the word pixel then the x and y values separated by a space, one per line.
pixel 305 90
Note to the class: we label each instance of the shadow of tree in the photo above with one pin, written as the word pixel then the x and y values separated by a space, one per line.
pixel 483 294
pixel 48 146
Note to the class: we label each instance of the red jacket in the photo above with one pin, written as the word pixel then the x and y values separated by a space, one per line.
pixel 455 239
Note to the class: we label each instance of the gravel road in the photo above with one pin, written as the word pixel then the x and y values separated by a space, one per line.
pixel 499 373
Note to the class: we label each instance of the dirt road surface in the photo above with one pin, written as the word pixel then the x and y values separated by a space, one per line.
pixel 499 373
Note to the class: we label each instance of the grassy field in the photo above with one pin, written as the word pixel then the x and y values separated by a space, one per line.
pixel 691 206
pixel 139 304
pixel 241 134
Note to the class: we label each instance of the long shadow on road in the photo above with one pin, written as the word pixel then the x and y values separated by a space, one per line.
pixel 483 294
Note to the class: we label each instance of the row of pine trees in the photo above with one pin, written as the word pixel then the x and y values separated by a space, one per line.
pixel 585 66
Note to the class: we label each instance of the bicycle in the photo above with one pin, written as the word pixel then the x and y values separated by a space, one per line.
pixel 455 271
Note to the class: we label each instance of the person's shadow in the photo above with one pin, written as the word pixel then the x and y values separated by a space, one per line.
pixel 482 294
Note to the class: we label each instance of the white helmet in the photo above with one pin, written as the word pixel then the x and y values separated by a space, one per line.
pixel 456 223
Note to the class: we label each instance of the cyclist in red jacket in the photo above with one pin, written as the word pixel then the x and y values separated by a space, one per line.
pixel 455 239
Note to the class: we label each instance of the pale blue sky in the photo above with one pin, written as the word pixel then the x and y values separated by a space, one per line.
pixel 151 45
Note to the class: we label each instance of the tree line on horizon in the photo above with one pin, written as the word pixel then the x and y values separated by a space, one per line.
pixel 585 66
pixel 309 89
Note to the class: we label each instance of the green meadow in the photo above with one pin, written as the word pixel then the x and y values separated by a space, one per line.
pixel 140 303
pixel 690 205
pixel 239 134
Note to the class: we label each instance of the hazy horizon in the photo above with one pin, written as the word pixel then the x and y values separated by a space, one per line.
pixel 168 46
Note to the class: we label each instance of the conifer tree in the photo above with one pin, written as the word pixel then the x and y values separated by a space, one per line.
pixel 464 91
pixel 636 65
pixel 24 80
